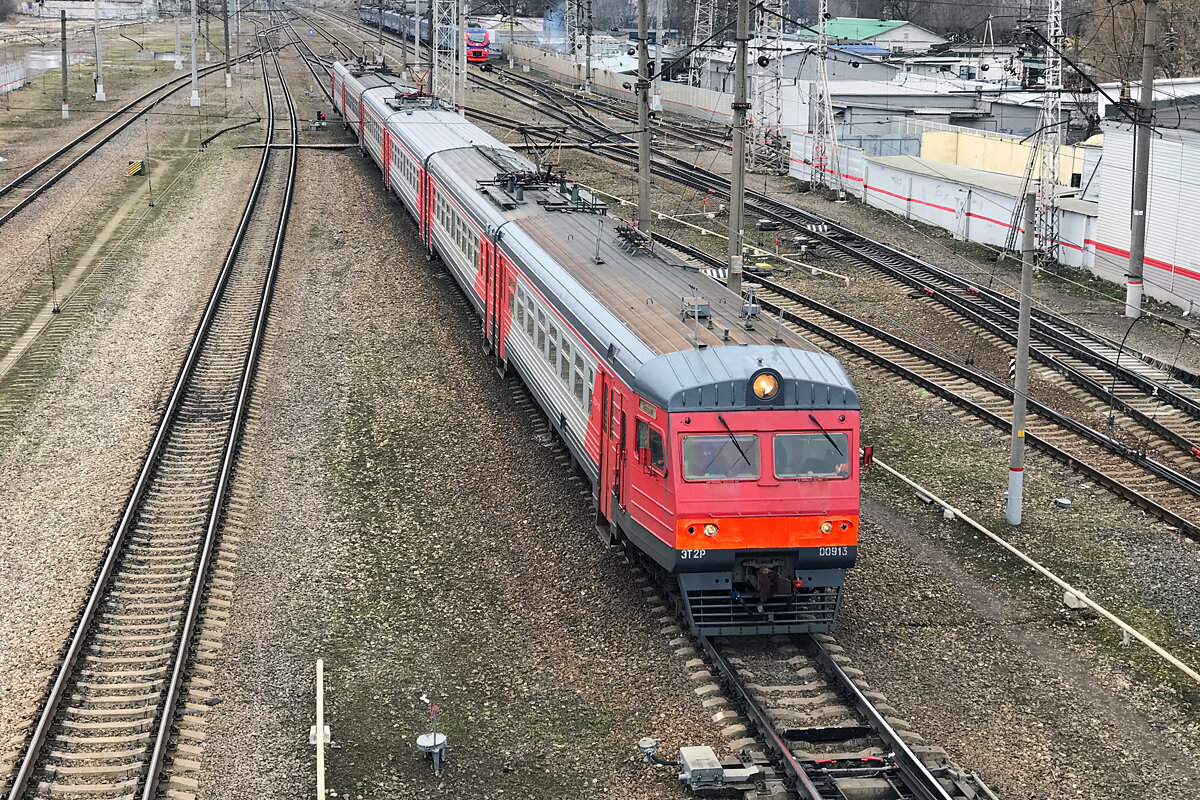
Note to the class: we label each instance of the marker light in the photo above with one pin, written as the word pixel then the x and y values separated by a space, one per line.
pixel 710 529
pixel 766 386
pixel 826 527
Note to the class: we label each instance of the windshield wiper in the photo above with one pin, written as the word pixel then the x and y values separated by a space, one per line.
pixel 733 439
pixel 828 438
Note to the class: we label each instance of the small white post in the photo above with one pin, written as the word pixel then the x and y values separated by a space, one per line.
pixel 320 729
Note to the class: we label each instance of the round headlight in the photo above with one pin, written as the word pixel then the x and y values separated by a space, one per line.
pixel 826 527
pixel 710 529
pixel 766 386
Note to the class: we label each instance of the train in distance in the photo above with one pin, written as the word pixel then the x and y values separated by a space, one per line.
pixel 722 449
pixel 478 40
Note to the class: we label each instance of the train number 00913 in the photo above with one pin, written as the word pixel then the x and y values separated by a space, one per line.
pixel 692 553
pixel 833 551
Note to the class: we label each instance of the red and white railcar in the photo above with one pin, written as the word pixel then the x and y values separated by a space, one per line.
pixel 726 452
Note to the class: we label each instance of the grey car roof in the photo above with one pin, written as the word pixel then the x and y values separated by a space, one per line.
pixel 719 377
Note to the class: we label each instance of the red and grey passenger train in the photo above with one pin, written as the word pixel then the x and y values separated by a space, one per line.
pixel 725 451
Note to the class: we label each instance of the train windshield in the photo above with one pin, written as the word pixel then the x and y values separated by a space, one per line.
pixel 812 455
pixel 724 457
pixel 476 37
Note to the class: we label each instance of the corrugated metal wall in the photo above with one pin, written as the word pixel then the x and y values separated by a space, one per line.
pixel 1172 267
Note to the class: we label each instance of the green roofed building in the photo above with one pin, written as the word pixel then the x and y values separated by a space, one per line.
pixel 890 34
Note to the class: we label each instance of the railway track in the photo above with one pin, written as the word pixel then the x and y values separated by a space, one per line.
pixel 22 190
pixel 816 721
pixel 108 725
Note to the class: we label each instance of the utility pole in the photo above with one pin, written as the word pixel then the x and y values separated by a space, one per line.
pixel 1016 456
pixel 587 49
pixel 178 52
pixel 207 32
pixel 737 181
pixel 225 16
pixel 656 99
pixel 460 86
pixel 1141 167
pixel 380 10
pixel 512 23
pixel 195 80
pixel 99 59
pixel 62 19
pixel 237 36
pixel 643 96
pixel 404 37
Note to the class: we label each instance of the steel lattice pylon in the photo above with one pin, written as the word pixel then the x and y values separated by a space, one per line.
pixel 825 168
pixel 570 27
pixel 702 28
pixel 445 75
pixel 767 151
pixel 1050 138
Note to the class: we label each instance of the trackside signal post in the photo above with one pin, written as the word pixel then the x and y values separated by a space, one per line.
pixel 1016 458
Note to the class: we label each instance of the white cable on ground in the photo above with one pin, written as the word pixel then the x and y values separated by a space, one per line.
pixel 1124 626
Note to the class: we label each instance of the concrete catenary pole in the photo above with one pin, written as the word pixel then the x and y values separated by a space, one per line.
pixel 99 59
pixel 656 100
pixel 380 10
pixel 225 19
pixel 737 183
pixel 178 50
pixel 195 78
pixel 643 98
pixel 1016 455
pixel 512 31
pixel 1141 167
pixel 460 85
pixel 587 48
pixel 207 31
pixel 62 18
pixel 237 37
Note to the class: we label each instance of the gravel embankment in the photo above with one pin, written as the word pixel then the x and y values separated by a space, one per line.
pixel 65 474
pixel 406 527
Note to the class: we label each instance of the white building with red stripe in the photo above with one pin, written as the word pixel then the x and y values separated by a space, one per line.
pixel 1172 265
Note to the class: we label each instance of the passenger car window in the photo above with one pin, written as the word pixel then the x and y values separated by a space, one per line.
pixel 652 439
pixel 720 458
pixel 564 368
pixel 812 455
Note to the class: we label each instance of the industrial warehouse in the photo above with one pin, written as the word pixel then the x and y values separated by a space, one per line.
pixel 612 398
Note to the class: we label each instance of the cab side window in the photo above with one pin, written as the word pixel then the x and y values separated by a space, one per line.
pixel 651 439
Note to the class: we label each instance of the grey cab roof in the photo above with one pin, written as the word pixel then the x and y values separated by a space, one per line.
pixel 719 377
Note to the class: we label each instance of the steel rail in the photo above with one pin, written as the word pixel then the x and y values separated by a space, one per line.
pixel 1187 527
pixel 917 777
pixel 108 137
pixel 54 697
pixel 167 719
pixel 762 723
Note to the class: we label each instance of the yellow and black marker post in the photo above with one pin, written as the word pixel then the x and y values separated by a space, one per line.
pixel 136 168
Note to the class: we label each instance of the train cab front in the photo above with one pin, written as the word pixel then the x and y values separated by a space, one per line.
pixel 477 45
pixel 762 476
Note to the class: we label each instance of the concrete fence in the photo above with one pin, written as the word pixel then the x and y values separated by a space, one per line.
pixel 677 98
pixel 12 76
